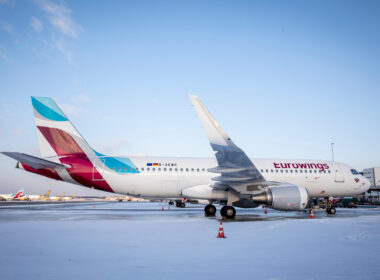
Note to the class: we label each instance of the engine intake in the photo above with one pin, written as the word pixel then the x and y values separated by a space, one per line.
pixel 283 197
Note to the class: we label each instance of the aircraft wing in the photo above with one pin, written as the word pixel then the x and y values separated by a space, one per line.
pixel 34 162
pixel 235 168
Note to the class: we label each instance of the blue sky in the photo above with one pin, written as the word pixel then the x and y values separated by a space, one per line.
pixel 283 78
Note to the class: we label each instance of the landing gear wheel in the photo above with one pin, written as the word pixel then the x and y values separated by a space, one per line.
pixel 210 210
pixel 180 204
pixel 228 212
pixel 331 211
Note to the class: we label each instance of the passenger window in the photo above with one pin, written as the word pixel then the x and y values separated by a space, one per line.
pixel 192 169
pixel 203 169
pixel 300 171
pixel 276 170
pixel 262 171
pixel 286 170
pixel 291 170
pixel 197 169
pixel 137 169
pixel 296 171
pixel 315 171
pixel 187 169
pixel 170 169
pixel 271 170
pixel 153 169
pixel 266 170
pixel 181 169
pixel 329 171
pixel 175 169
pixel 164 169
pixel 125 169
pixel 114 168
pixel 142 169
pixel 148 169
pixel 282 171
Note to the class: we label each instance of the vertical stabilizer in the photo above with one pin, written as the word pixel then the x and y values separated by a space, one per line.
pixel 56 135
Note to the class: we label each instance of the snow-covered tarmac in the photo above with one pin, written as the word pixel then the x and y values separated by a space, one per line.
pixel 139 241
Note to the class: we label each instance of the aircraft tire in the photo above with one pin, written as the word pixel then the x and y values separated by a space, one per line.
pixel 331 211
pixel 210 210
pixel 228 212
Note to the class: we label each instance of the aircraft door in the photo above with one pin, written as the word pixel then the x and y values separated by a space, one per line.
pixel 97 172
pixel 339 176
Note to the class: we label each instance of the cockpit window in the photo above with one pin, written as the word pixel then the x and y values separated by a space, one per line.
pixel 353 171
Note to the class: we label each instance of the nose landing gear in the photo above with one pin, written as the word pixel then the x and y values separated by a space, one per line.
pixel 180 204
pixel 330 208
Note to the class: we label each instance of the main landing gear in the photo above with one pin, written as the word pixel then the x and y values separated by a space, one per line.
pixel 228 212
pixel 210 210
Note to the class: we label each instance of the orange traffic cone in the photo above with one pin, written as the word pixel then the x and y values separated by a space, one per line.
pixel 221 231
pixel 265 210
pixel 311 214
pixel 162 209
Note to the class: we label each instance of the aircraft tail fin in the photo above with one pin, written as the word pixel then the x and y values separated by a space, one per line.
pixel 20 193
pixel 56 134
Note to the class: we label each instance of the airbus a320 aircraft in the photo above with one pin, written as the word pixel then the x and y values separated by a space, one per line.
pixel 231 178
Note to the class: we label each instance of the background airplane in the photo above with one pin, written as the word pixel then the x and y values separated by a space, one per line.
pixel 12 196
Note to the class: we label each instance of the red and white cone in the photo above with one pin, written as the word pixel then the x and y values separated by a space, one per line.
pixel 265 210
pixel 162 209
pixel 221 231
pixel 311 214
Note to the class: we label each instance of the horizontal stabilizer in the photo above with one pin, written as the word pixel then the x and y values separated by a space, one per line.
pixel 34 162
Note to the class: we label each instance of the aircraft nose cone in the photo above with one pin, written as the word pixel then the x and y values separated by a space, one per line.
pixel 367 183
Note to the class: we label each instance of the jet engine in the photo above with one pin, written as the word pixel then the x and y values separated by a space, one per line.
pixel 289 197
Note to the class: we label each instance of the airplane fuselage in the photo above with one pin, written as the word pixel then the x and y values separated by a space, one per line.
pixel 167 177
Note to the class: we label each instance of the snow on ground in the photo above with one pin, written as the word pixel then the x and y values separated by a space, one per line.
pixel 139 241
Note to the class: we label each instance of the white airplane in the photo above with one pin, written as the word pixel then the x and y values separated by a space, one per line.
pixel 12 196
pixel 231 178
pixel 37 197
pixel 58 198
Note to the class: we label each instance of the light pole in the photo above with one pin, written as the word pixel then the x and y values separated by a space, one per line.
pixel 332 151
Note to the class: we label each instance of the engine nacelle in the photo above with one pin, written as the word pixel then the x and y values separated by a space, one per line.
pixel 290 197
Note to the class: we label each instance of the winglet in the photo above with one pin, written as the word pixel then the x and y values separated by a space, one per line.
pixel 214 131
